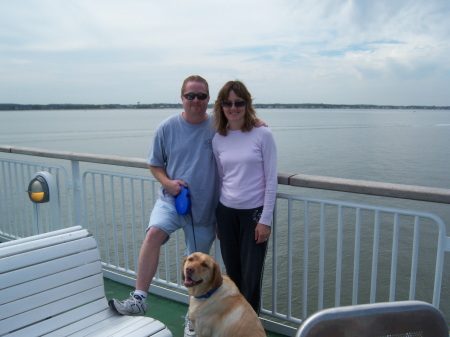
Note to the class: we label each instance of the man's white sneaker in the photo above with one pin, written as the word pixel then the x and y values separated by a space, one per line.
pixel 133 306
pixel 188 328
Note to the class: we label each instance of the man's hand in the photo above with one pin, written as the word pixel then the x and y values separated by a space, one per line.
pixel 172 186
pixel 259 123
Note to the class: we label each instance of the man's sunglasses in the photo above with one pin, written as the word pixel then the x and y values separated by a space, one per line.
pixel 191 96
pixel 228 104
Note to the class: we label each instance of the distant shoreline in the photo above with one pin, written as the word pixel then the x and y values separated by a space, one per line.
pixel 12 106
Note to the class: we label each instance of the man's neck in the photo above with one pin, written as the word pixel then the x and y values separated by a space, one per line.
pixel 195 119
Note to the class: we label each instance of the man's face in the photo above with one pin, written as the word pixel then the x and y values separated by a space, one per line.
pixel 196 105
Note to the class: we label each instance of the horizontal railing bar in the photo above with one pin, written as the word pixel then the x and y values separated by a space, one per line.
pixel 83 157
pixel 411 192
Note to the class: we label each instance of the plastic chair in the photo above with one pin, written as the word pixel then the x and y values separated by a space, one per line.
pixel 393 319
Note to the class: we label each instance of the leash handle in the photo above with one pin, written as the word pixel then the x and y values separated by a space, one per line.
pixel 183 201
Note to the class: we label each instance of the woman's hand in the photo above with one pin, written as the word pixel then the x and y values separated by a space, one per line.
pixel 262 233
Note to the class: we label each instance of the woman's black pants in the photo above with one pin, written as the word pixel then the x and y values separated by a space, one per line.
pixel 243 258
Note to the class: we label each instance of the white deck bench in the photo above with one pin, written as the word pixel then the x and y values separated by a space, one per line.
pixel 52 285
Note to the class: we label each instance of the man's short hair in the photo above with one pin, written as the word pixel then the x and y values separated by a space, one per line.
pixel 195 78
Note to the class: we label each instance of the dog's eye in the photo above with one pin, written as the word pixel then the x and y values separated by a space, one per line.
pixel 204 264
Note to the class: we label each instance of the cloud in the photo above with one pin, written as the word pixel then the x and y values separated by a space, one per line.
pixel 111 51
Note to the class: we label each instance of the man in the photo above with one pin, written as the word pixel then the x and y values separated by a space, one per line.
pixel 181 154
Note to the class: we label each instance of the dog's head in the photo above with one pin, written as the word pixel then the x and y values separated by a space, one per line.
pixel 200 273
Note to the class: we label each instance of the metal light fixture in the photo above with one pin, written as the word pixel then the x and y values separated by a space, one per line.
pixel 38 190
pixel 43 192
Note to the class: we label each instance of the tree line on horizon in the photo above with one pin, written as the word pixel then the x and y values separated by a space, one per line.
pixel 13 106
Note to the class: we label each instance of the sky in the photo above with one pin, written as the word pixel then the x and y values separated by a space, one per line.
pixel 384 52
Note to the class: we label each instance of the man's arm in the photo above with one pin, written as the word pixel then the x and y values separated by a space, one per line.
pixel 172 186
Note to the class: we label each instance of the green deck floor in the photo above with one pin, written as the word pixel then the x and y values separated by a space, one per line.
pixel 169 312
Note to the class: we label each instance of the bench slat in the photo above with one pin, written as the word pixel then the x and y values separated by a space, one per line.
pixel 139 329
pixel 52 294
pixel 130 326
pixel 52 284
pixel 22 290
pixel 51 324
pixel 24 245
pixel 46 253
pixel 29 273
pixel 94 315
pixel 42 236
pixel 164 333
pixel 47 304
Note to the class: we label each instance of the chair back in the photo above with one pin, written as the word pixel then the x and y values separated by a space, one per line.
pixel 399 319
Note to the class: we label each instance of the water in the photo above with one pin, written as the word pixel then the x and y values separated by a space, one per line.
pixel 395 146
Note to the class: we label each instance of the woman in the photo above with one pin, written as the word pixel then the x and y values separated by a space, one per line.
pixel 247 166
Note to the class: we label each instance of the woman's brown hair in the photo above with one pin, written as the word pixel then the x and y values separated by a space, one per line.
pixel 220 121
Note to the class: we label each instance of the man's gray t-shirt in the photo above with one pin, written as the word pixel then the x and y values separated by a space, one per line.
pixel 185 152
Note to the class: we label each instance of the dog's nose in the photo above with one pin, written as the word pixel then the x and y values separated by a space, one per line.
pixel 189 270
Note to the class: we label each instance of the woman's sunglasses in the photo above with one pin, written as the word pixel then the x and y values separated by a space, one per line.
pixel 191 96
pixel 228 104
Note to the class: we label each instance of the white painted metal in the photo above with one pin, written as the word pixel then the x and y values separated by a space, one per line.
pixel 115 207
pixel 52 285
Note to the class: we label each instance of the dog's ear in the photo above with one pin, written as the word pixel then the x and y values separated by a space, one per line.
pixel 217 275
pixel 182 269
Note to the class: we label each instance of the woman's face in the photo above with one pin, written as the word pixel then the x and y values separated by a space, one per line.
pixel 234 114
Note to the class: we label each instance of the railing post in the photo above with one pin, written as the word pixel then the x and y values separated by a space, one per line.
pixel 36 216
pixel 76 182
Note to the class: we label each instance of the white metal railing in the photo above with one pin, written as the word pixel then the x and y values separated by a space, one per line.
pixel 16 216
pixel 323 253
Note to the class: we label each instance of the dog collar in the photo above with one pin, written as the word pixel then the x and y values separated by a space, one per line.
pixel 209 293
